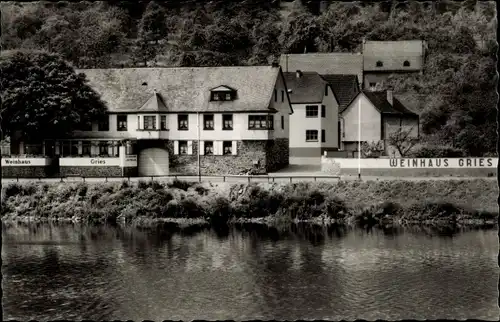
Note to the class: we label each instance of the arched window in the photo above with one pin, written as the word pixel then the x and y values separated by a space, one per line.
pixel 380 64
pixel 406 63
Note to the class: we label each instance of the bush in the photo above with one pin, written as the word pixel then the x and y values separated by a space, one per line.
pixel 183 185
pixel 436 151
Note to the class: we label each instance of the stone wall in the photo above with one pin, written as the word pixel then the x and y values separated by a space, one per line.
pixel 91 171
pixel 130 171
pixel 247 153
pixel 27 172
pixel 277 154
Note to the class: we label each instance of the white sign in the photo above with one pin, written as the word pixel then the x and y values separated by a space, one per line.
pixel 89 162
pixel 417 163
pixel 25 162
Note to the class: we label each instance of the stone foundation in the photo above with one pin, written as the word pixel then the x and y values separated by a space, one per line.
pixel 95 171
pixel 270 155
pixel 28 172
pixel 277 154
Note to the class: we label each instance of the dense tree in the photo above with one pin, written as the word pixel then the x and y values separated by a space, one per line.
pixel 43 97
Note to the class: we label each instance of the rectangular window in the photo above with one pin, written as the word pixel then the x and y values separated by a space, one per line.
pixel 227 147
pixel 227 120
pixel 182 120
pixel 275 95
pixel 215 97
pixel 228 96
pixel 208 122
pixel 323 111
pixel 326 90
pixel 183 147
pixel 65 147
pixel 163 122
pixel 323 139
pixel 209 147
pixel 86 148
pixel 121 122
pixel 74 148
pixel 312 135
pixel 311 111
pixel 282 122
pixel 260 122
pixel 104 123
pixel 282 96
pixel 150 122
pixel 103 148
pixel 222 96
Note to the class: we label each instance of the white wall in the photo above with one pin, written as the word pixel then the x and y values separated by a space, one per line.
pixel 370 121
pixel 299 123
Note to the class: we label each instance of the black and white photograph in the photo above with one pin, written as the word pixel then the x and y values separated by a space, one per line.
pixel 249 160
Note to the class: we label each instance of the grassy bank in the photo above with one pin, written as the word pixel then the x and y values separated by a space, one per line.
pixel 351 202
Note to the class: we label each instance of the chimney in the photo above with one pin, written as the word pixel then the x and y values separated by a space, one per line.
pixel 390 97
pixel 298 73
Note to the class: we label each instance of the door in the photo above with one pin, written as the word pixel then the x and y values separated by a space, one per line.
pixel 153 162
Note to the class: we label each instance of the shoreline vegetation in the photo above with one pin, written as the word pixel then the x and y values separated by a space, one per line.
pixel 367 203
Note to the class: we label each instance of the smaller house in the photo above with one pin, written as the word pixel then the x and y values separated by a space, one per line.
pixel 383 58
pixel 314 122
pixel 373 117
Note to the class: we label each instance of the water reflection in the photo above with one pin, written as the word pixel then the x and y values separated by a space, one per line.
pixel 248 271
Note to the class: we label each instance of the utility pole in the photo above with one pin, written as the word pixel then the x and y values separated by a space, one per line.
pixel 199 146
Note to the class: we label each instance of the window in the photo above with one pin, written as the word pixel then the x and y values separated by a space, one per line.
pixel 209 147
pixel 282 122
pixel 323 138
pixel 222 96
pixel 227 147
pixel 260 122
pixel 311 135
pixel 282 96
pixel 326 90
pixel 103 148
pixel 208 122
pixel 183 122
pixel 183 147
pixel 275 95
pixel 311 111
pixel 323 111
pixel 150 122
pixel 406 63
pixel 65 148
pixel 380 64
pixel 86 148
pixel 121 122
pixel 227 121
pixel 372 85
pixel 163 122
pixel 104 124
pixel 74 148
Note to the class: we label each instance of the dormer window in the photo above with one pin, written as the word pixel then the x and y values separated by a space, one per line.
pixel 380 64
pixel 223 93
pixel 406 63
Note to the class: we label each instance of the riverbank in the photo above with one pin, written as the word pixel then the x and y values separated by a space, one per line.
pixel 466 202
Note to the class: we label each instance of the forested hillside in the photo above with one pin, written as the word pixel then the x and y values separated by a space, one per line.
pixel 457 89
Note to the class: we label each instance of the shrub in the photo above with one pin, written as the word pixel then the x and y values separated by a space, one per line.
pixel 201 190
pixel 179 184
pixel 12 190
pixel 436 151
pixel 335 208
pixel 219 210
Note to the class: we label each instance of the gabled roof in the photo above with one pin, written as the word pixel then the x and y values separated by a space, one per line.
pixel 324 63
pixel 393 54
pixel 379 100
pixel 154 104
pixel 184 89
pixel 345 87
pixel 222 88
pixel 308 88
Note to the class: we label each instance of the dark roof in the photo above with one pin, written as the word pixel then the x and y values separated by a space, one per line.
pixel 183 89
pixel 324 63
pixel 393 54
pixel 308 88
pixel 345 88
pixel 379 100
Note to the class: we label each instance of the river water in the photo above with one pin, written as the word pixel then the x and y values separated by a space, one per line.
pixel 248 272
